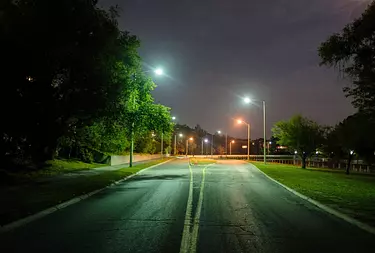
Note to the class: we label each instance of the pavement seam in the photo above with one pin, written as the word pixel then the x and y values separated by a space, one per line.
pixel 325 208
pixel 45 212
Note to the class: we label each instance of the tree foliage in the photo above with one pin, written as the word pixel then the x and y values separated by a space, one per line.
pixel 353 136
pixel 71 81
pixel 353 52
pixel 299 134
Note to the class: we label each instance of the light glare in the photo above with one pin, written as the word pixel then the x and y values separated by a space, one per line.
pixel 159 71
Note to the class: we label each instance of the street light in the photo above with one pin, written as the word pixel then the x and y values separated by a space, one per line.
pixel 158 72
pixel 175 139
pixel 202 147
pixel 226 141
pixel 248 101
pixel 187 145
pixel 248 136
pixel 230 147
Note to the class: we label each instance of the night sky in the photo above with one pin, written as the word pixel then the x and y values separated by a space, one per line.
pixel 216 51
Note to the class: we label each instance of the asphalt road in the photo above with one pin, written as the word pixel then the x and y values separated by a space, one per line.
pixel 226 207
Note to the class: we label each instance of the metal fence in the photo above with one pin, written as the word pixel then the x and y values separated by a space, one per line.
pixel 357 166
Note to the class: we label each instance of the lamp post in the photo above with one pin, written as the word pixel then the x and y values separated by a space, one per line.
pixel 230 147
pixel 187 145
pixel 158 72
pixel 226 141
pixel 248 101
pixel 175 139
pixel 248 136
pixel 203 140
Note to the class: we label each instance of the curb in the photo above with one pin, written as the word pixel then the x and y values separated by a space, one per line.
pixel 325 208
pixel 38 215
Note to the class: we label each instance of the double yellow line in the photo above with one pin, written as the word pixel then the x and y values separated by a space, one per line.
pixel 191 227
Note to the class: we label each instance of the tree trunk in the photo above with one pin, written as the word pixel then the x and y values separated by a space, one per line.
pixel 348 164
pixel 303 162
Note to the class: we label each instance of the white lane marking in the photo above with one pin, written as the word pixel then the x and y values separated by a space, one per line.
pixel 185 242
pixel 194 238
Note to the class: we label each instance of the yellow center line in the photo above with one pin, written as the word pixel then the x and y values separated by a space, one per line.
pixel 190 239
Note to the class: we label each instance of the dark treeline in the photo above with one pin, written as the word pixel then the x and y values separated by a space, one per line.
pixel 72 84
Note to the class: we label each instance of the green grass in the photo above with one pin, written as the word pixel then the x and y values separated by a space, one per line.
pixel 70 165
pixel 18 201
pixel 201 161
pixel 353 195
pixel 51 168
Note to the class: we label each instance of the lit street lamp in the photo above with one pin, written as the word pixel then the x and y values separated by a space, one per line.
pixel 230 147
pixel 187 145
pixel 226 141
pixel 248 101
pixel 158 72
pixel 248 136
pixel 202 147
pixel 175 139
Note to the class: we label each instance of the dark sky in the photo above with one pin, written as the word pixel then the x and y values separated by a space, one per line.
pixel 217 51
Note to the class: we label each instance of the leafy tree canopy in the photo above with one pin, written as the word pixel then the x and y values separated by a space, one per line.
pixel 299 134
pixel 353 52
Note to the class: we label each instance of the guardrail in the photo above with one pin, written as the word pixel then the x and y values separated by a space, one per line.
pixel 293 160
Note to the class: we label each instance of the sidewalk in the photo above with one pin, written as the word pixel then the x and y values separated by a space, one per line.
pixel 89 172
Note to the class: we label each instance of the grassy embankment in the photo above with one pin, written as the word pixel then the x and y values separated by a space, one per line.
pixel 353 194
pixel 29 194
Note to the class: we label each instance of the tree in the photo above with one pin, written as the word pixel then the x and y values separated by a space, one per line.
pixel 353 52
pixel 300 134
pixel 71 77
pixel 66 65
pixel 221 150
pixel 353 136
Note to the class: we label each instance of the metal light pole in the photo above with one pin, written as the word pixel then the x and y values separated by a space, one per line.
pixel 202 147
pixel 212 144
pixel 248 101
pixel 161 145
pixel 175 145
pixel 131 147
pixel 248 141
pixel 230 147
pixel 187 146
pixel 264 133
pixel 226 144
pixel 248 136
pixel 158 72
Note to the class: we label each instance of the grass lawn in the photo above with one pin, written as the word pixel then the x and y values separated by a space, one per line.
pixel 18 201
pixel 201 161
pixel 51 168
pixel 353 195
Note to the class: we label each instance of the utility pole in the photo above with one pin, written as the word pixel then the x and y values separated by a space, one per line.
pixel 202 147
pixel 161 145
pixel 264 132
pixel 175 144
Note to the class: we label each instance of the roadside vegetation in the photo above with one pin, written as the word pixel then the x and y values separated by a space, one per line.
pixel 78 91
pixel 35 195
pixel 353 194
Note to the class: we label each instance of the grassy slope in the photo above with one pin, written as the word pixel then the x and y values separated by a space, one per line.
pixel 18 201
pixel 350 194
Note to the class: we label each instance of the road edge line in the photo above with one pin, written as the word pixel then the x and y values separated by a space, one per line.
pixel 45 212
pixel 325 208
